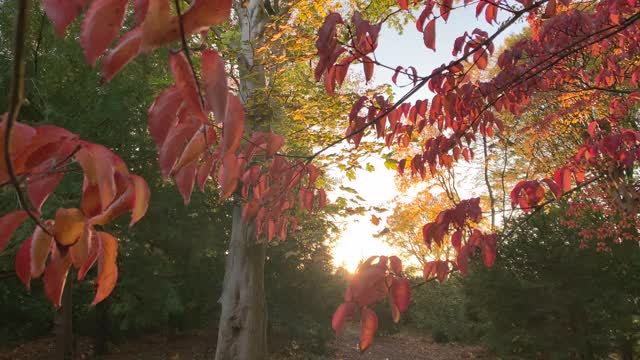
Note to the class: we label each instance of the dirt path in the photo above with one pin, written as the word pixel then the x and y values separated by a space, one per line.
pixel 195 346
pixel 404 347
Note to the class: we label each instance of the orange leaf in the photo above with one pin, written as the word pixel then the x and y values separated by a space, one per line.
pixel 41 244
pixel 395 312
pixel 127 48
pixel 375 220
pixel 92 255
pixel 62 12
pixel 233 124
pixel 68 227
pixel 8 225
pixel 141 198
pixel 80 251
pixel 107 266
pixel 55 276
pixel 214 79
pixel 368 327
pixel 100 26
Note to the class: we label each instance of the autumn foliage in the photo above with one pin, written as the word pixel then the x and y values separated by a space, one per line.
pixel 464 108
pixel 199 132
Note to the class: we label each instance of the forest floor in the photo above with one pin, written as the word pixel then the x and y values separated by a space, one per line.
pixel 401 346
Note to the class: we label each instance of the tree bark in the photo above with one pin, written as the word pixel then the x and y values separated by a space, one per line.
pixel 63 324
pixel 101 336
pixel 242 334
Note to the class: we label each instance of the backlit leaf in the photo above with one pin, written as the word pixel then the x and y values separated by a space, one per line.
pixel 8 225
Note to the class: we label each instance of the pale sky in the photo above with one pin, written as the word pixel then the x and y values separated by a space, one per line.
pixel 378 188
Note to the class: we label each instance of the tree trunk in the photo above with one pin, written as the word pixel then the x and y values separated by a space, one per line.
pixel 242 333
pixel 101 336
pixel 63 324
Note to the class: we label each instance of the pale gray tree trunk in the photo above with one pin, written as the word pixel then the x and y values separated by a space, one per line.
pixel 242 332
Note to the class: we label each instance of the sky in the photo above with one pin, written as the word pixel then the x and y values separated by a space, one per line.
pixel 377 188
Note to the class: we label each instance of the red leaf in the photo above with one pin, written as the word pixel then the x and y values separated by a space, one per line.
pixel 445 8
pixel 185 179
pixel 554 187
pixel 55 276
pixel 489 249
pixel 214 79
pixel 368 68
pixel 23 263
pixel 163 114
pixel 429 35
pixel 160 27
pixel 401 292
pixel 368 327
pixel 127 48
pixel 107 266
pixel 201 140
pixel 396 264
pixel 204 171
pixel 343 312
pixel 8 225
pixel 99 168
pixel 229 174
pixel 233 124
pixel 322 198
pixel 550 10
pixel 404 4
pixel 40 186
pixel 100 26
pixel 186 83
pixel 141 198
pixel 62 12
pixel 174 145
pixel 140 10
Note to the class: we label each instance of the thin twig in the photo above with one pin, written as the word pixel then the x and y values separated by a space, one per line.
pixel 16 97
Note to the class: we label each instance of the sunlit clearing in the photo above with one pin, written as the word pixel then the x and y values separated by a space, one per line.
pixel 357 244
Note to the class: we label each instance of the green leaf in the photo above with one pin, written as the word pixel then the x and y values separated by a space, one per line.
pixel 391 164
pixel 370 168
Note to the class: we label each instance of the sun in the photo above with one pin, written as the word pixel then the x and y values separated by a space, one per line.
pixel 357 243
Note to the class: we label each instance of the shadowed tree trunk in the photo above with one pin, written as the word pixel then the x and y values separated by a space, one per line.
pixel 100 340
pixel 63 324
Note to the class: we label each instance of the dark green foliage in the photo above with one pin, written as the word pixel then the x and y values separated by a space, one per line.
pixel 548 298
pixel 438 309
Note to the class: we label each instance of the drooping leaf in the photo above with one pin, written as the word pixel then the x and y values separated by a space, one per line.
pixel 100 26
pixel 233 124
pixel 107 266
pixel 127 48
pixel 342 313
pixel 8 225
pixel 62 12
pixel 142 194
pixel 186 83
pixel 55 276
pixel 40 186
pixel 41 244
pixel 368 327
pixel 214 79
pixel 401 292
pixel 68 227
pixel 429 35
pixel 23 263
pixel 395 264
